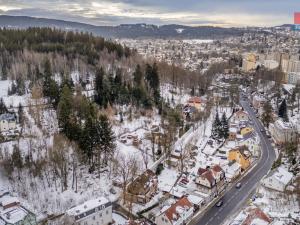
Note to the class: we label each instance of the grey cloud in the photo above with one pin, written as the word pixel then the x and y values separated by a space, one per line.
pixel 260 10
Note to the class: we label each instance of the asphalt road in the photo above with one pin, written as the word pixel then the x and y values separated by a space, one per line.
pixel 235 198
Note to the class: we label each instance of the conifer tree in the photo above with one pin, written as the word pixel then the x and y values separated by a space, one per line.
pixel 107 138
pixel 47 77
pixel 267 114
pixel 225 127
pixel 64 110
pixel 21 114
pixel 282 111
pixel 3 108
pixel 216 127
pixel 138 76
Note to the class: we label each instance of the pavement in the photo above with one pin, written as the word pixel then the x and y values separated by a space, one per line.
pixel 234 199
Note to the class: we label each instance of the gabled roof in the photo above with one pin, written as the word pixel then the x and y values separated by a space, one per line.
pixel 195 99
pixel 173 213
pixel 201 171
pixel 256 214
pixel 138 186
pixel 208 175
pixel 243 150
pixel 241 112
pixel 217 168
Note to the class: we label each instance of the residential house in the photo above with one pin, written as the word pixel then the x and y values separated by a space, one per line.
pixel 195 102
pixel 293 78
pixel 93 212
pixel 211 181
pixel 233 130
pixel 258 101
pixel 246 130
pixel 143 188
pixel 241 155
pixel 13 213
pixel 241 115
pixel 232 171
pixel 278 179
pixel 283 132
pixel 270 64
pixel 251 140
pixel 179 213
pixel 256 216
pixel 7 122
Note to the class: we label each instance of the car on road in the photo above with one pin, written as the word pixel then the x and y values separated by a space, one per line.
pixel 238 185
pixel 262 130
pixel 219 203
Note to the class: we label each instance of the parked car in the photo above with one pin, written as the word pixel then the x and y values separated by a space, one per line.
pixel 219 203
pixel 238 185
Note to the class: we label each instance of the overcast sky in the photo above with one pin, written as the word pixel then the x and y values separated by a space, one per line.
pixel 188 12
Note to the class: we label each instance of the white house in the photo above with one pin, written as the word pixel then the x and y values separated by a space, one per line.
pixel 278 179
pixel 293 77
pixel 179 213
pixel 13 213
pixel 232 171
pixel 270 64
pixel 7 122
pixel 93 212
pixel 283 132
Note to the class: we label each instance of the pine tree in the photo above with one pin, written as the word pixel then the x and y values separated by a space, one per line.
pixel 99 88
pixel 88 140
pixel 282 111
pixel 216 127
pixel 21 114
pixel 47 78
pixel 225 127
pixel 138 76
pixel 20 86
pixel 64 109
pixel 3 108
pixel 152 78
pixel 107 138
pixel 267 114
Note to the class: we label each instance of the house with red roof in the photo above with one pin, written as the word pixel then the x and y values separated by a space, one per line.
pixel 256 216
pixel 211 181
pixel 195 102
pixel 179 213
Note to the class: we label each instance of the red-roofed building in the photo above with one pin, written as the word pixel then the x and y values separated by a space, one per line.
pixel 195 102
pixel 179 213
pixel 211 180
pixel 256 215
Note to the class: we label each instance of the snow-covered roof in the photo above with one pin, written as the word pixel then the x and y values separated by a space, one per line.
pixel 283 125
pixel 87 206
pixel 14 215
pixel 7 117
pixel 282 175
pixel 196 200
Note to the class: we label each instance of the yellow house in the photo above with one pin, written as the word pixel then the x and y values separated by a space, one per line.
pixel 246 130
pixel 241 155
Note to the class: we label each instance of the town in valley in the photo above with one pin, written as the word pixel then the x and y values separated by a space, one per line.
pixel 140 124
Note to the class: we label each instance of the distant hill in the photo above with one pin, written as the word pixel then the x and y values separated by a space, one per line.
pixel 124 30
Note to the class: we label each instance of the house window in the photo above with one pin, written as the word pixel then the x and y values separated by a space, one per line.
pixel 94 218
pixel 100 214
pixel 107 212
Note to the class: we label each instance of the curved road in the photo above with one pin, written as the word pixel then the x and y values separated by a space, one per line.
pixel 234 198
